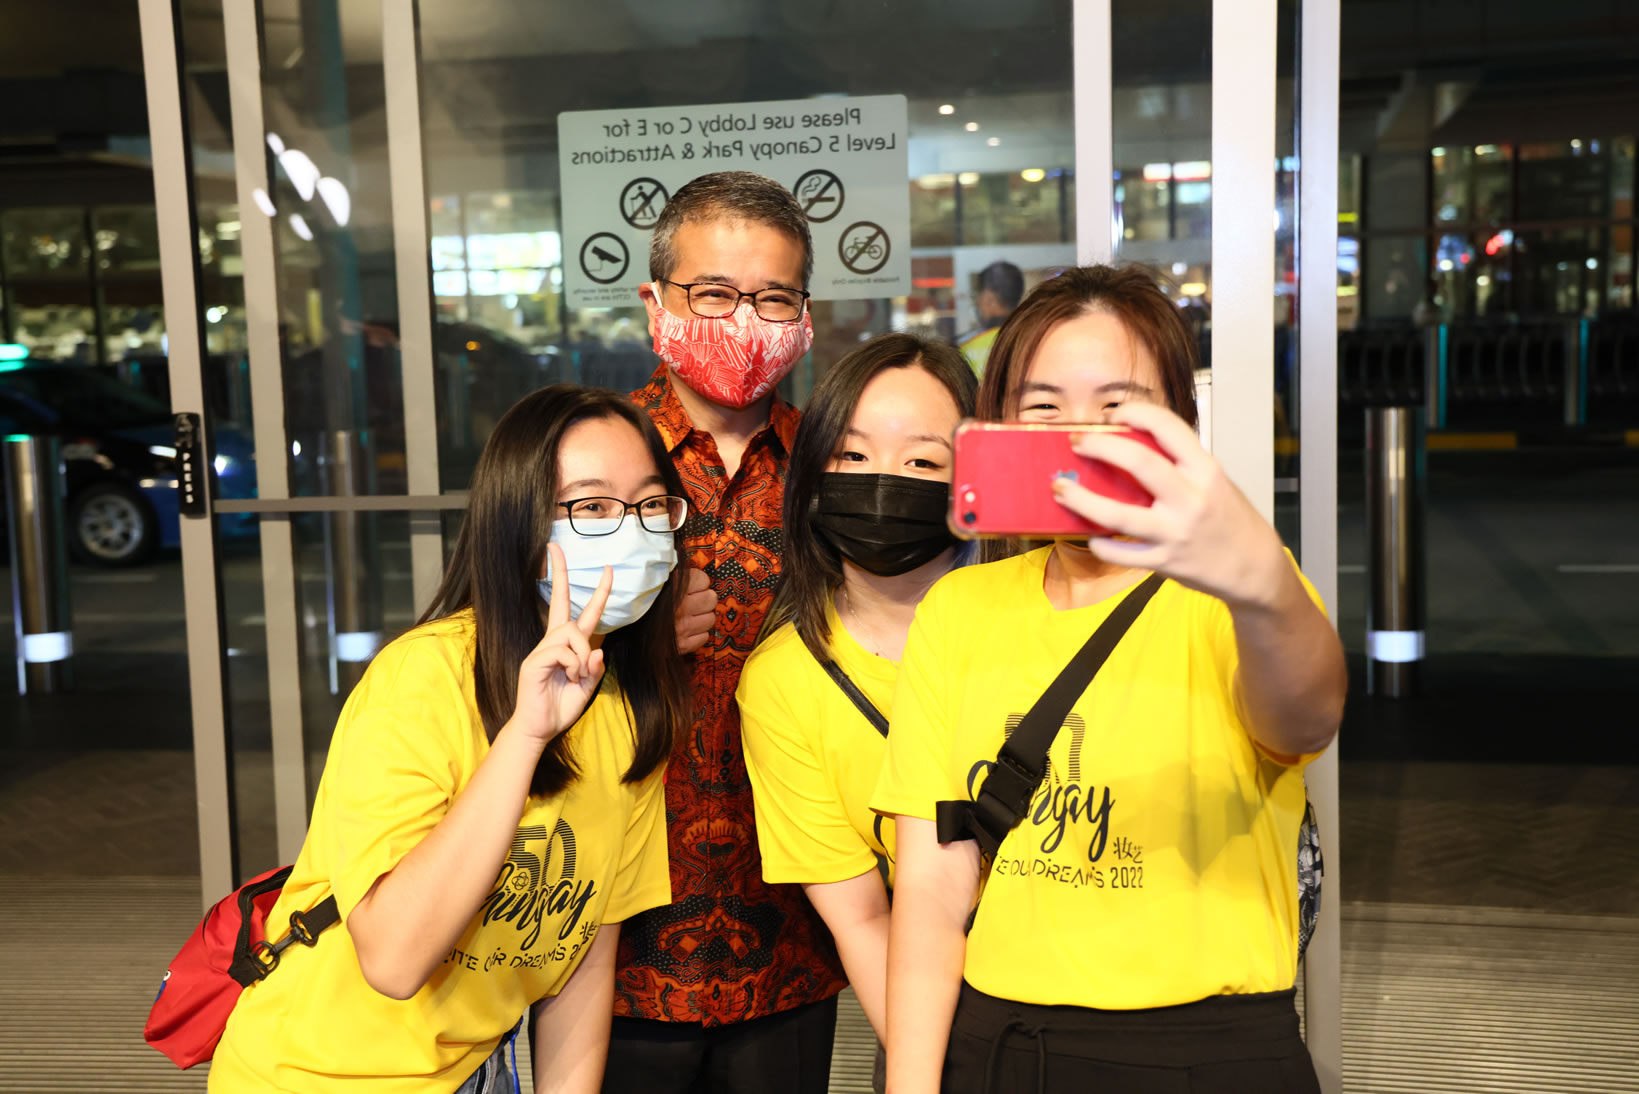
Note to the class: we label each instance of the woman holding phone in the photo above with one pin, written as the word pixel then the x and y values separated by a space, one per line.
pixel 1138 927
pixel 491 807
pixel 866 500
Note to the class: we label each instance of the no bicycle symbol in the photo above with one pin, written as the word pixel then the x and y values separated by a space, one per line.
pixel 821 195
pixel 641 202
pixel 604 258
pixel 863 248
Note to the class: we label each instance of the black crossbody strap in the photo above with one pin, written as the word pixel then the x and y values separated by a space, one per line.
pixel 1021 763
pixel 851 690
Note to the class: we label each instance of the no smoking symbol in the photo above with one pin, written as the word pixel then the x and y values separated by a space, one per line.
pixel 820 193
pixel 604 258
pixel 864 247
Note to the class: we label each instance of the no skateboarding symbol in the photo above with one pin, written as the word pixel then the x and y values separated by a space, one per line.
pixel 641 202
pixel 863 248
pixel 821 195
pixel 604 258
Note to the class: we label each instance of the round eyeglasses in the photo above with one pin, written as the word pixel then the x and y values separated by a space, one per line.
pixel 604 516
pixel 709 300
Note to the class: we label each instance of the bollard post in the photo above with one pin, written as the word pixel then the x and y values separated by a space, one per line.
pixel 1575 370
pixel 1434 374
pixel 353 582
pixel 1396 469
pixel 39 563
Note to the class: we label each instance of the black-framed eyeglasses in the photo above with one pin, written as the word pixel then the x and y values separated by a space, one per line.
pixel 604 516
pixel 709 300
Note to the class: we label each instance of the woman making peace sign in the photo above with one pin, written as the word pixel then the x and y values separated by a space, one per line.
pixel 491 807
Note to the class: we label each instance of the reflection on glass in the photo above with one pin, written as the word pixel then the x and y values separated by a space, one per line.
pixel 990 147
pixel 52 303
pixel 1620 268
pixel 328 589
pixel 43 241
pixel 1023 206
pixel 934 215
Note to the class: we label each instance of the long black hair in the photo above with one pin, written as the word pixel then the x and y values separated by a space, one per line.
pixel 812 569
pixel 500 553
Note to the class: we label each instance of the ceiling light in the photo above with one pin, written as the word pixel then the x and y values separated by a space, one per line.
pixel 947 108
pixel 994 141
pixel 972 127
pixel 335 197
pixel 1032 174
pixel 300 170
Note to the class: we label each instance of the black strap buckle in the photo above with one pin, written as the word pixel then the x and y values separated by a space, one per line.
pixel 263 956
pixel 1003 802
pixel 1011 784
pixel 989 818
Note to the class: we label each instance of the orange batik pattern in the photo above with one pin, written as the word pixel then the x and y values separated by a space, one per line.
pixel 729 947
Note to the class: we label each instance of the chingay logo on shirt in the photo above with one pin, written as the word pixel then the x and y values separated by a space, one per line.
pixel 1059 804
pixel 528 890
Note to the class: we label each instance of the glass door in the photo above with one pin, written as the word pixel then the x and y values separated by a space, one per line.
pixel 437 209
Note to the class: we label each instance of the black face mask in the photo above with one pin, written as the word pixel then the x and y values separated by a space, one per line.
pixel 887 524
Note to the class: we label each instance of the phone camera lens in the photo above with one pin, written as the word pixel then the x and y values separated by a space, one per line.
pixel 970 518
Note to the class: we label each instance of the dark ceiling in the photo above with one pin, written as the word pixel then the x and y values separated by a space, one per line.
pixel 70 70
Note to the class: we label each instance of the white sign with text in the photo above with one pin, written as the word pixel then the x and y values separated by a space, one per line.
pixel 843 158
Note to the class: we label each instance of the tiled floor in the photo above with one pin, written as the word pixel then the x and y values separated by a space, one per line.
pixel 1436 998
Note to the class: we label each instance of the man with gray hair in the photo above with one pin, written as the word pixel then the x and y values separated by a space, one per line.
pixel 731 988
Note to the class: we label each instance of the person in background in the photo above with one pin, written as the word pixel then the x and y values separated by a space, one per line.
pixel 1138 929
pixel 866 536
pixel 491 809
pixel 732 987
pixel 1001 287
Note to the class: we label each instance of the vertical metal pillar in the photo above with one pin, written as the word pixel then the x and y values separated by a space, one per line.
pixel 401 59
pixel 1433 372
pixel 280 592
pixel 352 575
pixel 1397 596
pixel 1094 127
pixel 1575 369
pixel 39 563
pixel 93 280
pixel 341 298
pixel 1243 244
pixel 1318 90
pixel 201 590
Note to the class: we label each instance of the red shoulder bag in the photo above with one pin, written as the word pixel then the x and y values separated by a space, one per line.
pixel 227 953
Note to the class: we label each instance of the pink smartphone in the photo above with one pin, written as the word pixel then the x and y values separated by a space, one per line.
pixel 1003 480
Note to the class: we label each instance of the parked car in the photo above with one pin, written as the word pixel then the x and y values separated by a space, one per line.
pixel 119 456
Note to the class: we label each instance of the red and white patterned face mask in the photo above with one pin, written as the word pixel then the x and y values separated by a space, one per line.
pixel 735 360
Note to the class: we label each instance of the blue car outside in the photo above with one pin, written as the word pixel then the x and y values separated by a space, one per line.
pixel 119 457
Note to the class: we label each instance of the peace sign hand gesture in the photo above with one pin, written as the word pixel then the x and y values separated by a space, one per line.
pixel 559 676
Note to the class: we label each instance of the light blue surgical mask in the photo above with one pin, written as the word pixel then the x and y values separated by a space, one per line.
pixel 642 561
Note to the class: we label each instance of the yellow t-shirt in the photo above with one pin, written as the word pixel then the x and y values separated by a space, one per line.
pixel 813 758
pixel 1158 863
pixel 407 742
pixel 976 348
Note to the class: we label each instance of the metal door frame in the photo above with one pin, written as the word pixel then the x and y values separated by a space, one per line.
pixel 219 866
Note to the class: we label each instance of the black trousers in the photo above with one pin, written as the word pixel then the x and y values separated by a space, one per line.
pixel 785 1052
pixel 1228 1044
